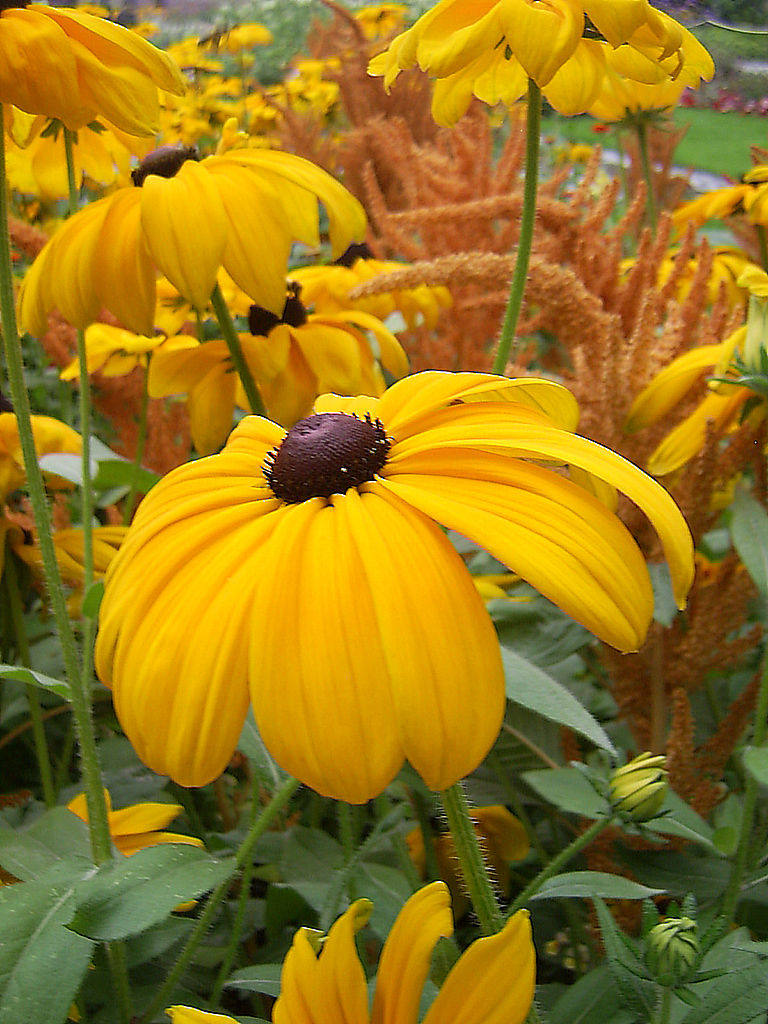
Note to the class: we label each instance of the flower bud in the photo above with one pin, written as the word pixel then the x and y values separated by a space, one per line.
pixel 672 948
pixel 638 789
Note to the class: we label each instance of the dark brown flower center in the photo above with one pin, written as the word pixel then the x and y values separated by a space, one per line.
pixel 326 454
pixel 5 5
pixel 165 162
pixel 261 321
pixel 356 251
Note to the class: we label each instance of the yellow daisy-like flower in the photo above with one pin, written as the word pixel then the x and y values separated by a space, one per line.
pixel 728 266
pixel 187 219
pixel 327 289
pixel 621 99
pixel 51 437
pixel 491 48
pixel 502 839
pixel 749 196
pixel 309 566
pixel 136 827
pixel 293 359
pixel 66 64
pixel 379 21
pixel 113 351
pixel 323 982
pixel 69 547
pixel 238 38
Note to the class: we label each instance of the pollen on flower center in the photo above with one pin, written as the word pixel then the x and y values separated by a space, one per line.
pixel 164 162
pixel 326 454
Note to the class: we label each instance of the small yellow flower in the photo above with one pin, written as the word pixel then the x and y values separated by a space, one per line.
pixel 380 21
pixel 113 351
pixel 64 63
pixel 310 567
pixel 136 827
pixel 51 436
pixel 491 49
pixel 239 38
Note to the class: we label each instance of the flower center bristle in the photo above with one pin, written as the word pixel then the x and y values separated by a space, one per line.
pixel 165 162
pixel 326 454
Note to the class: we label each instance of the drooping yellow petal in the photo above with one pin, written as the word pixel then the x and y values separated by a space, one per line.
pixel 542 35
pixel 405 960
pixel 121 266
pixel 189 1015
pixel 681 444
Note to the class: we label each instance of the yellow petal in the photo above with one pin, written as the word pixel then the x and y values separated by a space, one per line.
pixel 543 36
pixel 122 266
pixel 679 446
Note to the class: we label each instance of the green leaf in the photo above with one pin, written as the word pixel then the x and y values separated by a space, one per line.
pixel 252 745
pixel 26 675
pixel 756 763
pixel 127 896
pixel 308 863
pixel 388 889
pixel 260 978
pixel 119 473
pixel 593 883
pixel 665 608
pixel 682 821
pixel 737 998
pixel 594 999
pixel 56 836
pixel 637 990
pixel 567 789
pixel 537 630
pixel 530 686
pixel 749 529
pixel 92 599
pixel 42 964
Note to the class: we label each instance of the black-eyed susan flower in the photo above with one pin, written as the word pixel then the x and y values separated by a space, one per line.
pixel 490 50
pixel 187 219
pixel 748 196
pixel 138 826
pixel 67 64
pixel 293 358
pixel 728 265
pixel 323 981
pixel 309 567
pixel 51 437
pixel 69 545
pixel 113 351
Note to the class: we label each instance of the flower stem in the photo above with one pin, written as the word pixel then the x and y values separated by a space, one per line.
pixel 731 896
pixel 259 826
pixel 558 863
pixel 10 581
pixel 97 810
pixel 645 160
pixel 141 440
pixel 236 351
pixel 527 218
pixel 471 859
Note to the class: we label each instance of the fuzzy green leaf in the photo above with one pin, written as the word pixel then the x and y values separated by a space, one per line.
pixel 581 884
pixel 638 991
pixel 737 998
pixel 26 675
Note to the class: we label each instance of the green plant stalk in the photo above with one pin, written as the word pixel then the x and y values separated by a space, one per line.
pixel 11 585
pixel 645 160
pixel 97 810
pixel 236 351
pixel 119 972
pixel 204 922
pixel 141 441
pixel 666 1005
pixel 527 219
pixel 470 856
pixel 558 863
pixel 731 896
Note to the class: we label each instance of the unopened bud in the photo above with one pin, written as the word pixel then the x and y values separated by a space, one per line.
pixel 672 949
pixel 638 789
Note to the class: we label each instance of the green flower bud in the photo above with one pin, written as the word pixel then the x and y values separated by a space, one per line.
pixel 638 789
pixel 672 948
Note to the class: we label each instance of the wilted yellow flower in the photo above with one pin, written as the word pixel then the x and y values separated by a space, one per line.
pixel 309 566
pixel 186 218
pixel 64 63
pixel 490 50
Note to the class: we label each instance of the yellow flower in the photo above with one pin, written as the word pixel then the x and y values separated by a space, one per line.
pixel 491 49
pixel 113 351
pixel 323 981
pixel 187 219
pixel 136 827
pixel 67 64
pixel 747 196
pixel 327 289
pixel 51 437
pixel 69 546
pixel 502 839
pixel 293 359
pixel 728 265
pixel 378 21
pixel 621 99
pixel 311 567
pixel 239 37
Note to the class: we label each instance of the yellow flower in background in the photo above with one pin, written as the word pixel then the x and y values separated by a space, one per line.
pixel 113 351
pixel 327 289
pixel 310 567
pixel 621 99
pixel 502 839
pixel 69 547
pixel 238 38
pixel 380 21
pixel 728 266
pixel 136 827
pixel 186 219
pixel 747 196
pixel 491 49
pixel 66 64
pixel 51 437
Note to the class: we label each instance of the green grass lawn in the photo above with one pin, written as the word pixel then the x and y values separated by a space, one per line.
pixel 716 142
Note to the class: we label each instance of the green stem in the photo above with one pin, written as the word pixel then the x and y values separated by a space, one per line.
pixel 204 922
pixel 558 863
pixel 527 218
pixel 731 896
pixel 666 1005
pixel 645 160
pixel 11 584
pixel 471 860
pixel 97 810
pixel 119 972
pixel 431 869
pixel 763 243
pixel 236 351
pixel 141 440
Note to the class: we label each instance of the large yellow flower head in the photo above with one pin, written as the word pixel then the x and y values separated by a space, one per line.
pixel 492 982
pixel 309 567
pixel 186 218
pixel 490 48
pixel 66 64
